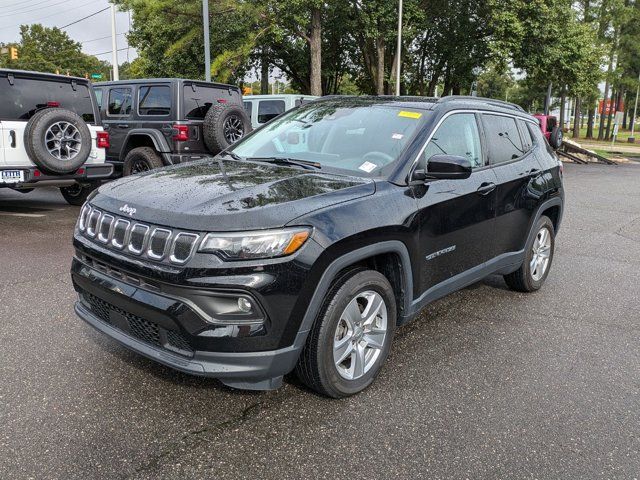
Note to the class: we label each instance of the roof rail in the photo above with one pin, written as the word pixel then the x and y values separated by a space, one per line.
pixel 490 101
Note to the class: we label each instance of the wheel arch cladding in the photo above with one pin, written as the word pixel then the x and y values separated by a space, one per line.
pixel 143 138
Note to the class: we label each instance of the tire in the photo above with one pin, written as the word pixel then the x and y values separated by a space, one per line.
pixel 43 144
pixel 77 194
pixel 524 279
pixel 316 367
pixel 224 124
pixel 555 139
pixel 141 159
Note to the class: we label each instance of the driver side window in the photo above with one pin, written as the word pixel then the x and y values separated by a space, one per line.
pixel 457 135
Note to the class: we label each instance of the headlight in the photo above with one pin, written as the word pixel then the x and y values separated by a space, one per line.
pixel 251 245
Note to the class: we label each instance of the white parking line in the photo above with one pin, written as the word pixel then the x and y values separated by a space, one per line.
pixel 29 215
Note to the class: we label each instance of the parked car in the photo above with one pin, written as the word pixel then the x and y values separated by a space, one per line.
pixel 263 108
pixel 50 134
pixel 305 245
pixel 158 122
pixel 550 129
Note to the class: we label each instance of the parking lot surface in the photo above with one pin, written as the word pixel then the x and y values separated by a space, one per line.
pixel 487 383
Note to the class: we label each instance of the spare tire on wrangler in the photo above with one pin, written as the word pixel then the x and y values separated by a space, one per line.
pixel 58 141
pixel 224 124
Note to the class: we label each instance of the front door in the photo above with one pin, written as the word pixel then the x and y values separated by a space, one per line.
pixel 456 217
pixel 117 119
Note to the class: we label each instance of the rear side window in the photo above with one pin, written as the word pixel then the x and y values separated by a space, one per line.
pixel 155 100
pixel 248 106
pixel 99 92
pixel 527 141
pixel 268 109
pixel 26 96
pixel 503 139
pixel 198 99
pixel 119 101
pixel 457 135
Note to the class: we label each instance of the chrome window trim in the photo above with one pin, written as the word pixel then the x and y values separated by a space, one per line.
pixel 126 234
pixel 144 238
pixel 100 237
pixel 92 233
pixel 150 252
pixel 172 257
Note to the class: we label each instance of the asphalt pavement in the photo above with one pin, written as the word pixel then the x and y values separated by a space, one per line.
pixel 487 383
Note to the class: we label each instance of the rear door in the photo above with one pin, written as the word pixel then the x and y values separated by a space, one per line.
pixel 457 217
pixel 117 101
pixel 517 170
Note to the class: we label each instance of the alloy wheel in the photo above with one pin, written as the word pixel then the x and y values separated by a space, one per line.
pixel 63 140
pixel 541 254
pixel 360 335
pixel 233 129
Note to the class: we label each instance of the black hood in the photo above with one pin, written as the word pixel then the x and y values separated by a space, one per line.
pixel 227 195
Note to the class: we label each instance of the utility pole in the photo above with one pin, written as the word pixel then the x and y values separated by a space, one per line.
pixel 207 53
pixel 399 47
pixel 631 139
pixel 114 45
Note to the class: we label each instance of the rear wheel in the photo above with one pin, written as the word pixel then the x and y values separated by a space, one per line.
pixel 141 159
pixel 351 338
pixel 77 194
pixel 538 257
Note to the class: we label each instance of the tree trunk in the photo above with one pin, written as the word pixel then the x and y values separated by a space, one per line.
pixel 590 121
pixel 380 65
pixel 576 118
pixel 610 116
pixel 606 90
pixel 264 73
pixel 563 101
pixel 315 49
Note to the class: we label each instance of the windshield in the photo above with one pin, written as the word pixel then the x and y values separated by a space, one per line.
pixel 360 137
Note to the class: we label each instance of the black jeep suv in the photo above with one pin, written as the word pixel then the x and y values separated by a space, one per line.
pixel 309 241
pixel 164 121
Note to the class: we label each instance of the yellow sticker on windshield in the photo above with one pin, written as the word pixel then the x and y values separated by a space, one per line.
pixel 406 114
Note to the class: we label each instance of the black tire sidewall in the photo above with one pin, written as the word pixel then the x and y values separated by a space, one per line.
pixel 543 221
pixel 34 140
pixel 213 126
pixel 77 194
pixel 333 383
pixel 145 154
pixel 556 138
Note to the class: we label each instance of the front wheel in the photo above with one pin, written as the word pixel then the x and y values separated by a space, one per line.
pixel 538 257
pixel 351 337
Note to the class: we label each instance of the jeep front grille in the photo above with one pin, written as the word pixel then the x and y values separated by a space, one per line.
pixel 137 238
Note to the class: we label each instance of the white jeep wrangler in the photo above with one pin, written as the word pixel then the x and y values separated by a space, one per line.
pixel 51 134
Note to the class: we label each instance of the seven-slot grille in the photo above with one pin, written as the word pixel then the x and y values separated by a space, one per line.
pixel 136 238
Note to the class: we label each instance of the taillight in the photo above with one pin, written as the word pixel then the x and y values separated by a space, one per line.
pixel 180 133
pixel 53 104
pixel 103 140
pixel 222 100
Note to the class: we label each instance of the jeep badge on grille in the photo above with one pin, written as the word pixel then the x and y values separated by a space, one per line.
pixel 128 210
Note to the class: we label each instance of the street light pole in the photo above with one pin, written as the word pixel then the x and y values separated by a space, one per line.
pixel 635 108
pixel 399 47
pixel 114 44
pixel 207 54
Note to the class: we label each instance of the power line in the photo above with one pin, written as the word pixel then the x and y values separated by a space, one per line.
pixel 101 38
pixel 22 4
pixel 53 15
pixel 30 9
pixel 84 18
pixel 104 53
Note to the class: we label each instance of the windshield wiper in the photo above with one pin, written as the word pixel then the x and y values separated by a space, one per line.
pixel 235 156
pixel 288 161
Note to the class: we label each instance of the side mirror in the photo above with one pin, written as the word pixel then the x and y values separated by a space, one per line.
pixel 449 167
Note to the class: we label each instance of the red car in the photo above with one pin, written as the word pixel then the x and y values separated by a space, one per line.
pixel 550 129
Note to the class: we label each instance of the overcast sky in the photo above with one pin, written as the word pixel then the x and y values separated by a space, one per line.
pixel 94 32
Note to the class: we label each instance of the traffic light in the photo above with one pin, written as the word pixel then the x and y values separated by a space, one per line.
pixel 13 53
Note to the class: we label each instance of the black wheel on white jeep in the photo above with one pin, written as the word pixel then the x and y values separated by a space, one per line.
pixel 58 141
pixel 77 194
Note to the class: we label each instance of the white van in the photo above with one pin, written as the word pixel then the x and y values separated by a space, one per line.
pixel 262 108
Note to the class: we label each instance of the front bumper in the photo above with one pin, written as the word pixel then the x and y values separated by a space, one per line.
pixel 34 177
pixel 164 323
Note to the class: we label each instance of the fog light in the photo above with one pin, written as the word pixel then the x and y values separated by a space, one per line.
pixel 244 305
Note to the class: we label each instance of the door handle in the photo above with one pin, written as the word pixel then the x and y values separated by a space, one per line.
pixel 12 136
pixel 123 125
pixel 486 188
